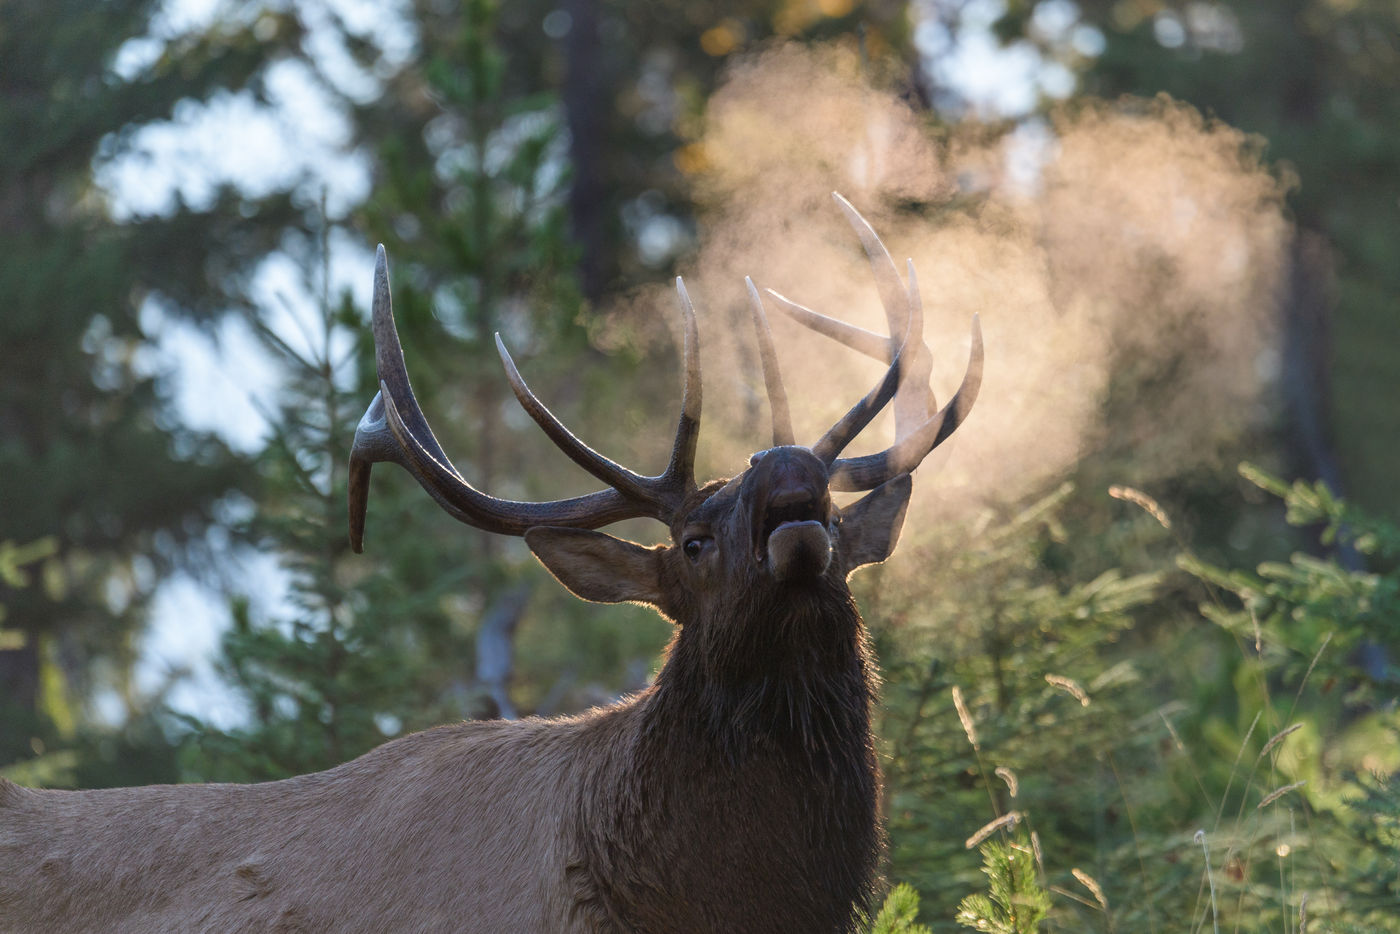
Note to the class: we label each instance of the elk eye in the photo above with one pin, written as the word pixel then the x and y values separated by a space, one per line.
pixel 694 547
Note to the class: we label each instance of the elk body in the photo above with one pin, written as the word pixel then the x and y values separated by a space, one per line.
pixel 737 793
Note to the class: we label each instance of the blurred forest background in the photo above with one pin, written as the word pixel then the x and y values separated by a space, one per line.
pixel 1130 684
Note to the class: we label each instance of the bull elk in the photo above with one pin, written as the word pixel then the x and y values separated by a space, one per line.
pixel 737 793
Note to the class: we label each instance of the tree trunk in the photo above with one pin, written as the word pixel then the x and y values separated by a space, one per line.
pixel 585 109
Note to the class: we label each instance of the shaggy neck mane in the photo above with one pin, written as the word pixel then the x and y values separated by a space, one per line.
pixel 750 780
pixel 799 682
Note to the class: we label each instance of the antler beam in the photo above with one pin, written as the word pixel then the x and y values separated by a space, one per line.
pixel 394 430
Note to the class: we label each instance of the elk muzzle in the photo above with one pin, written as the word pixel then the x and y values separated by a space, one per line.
pixel 791 513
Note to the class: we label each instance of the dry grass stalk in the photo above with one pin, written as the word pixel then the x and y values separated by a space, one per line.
pixel 966 717
pixel 1069 686
pixel 1009 819
pixel 1092 885
pixel 1279 737
pixel 1210 878
pixel 1141 499
pixel 1277 793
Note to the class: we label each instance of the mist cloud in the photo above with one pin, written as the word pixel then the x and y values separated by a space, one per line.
pixel 1138 265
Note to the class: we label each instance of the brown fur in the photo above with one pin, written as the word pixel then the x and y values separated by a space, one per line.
pixel 736 794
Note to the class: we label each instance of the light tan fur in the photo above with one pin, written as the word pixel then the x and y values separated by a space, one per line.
pixel 461 828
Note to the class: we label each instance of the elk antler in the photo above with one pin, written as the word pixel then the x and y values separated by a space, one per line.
pixel 918 428
pixel 394 429
pixel 772 378
pixel 850 424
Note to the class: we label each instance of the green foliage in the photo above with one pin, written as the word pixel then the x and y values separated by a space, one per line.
pixel 1015 902
pixel 370 646
pixel 1255 730
pixel 1313 617
pixel 899 914
pixel 1313 504
pixel 92 456
pixel 139 753
pixel 14 561
pixel 1379 803
pixel 341 667
pixel 1321 668
pixel 1376 807
pixel 1051 696
pixel 42 769
pixel 46 770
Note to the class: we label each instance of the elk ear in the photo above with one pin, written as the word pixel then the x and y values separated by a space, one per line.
pixel 597 566
pixel 870 526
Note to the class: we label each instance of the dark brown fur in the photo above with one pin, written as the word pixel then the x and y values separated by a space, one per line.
pixel 754 810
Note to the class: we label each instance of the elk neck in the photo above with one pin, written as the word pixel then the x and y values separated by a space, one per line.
pixel 789 674
pixel 749 781
pixel 774 659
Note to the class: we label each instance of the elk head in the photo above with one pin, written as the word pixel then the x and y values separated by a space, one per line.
pixel 771 530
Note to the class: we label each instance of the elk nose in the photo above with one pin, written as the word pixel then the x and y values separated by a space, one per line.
pixel 784 468
pixel 788 484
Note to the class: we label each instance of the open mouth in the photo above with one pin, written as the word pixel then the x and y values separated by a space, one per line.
pixel 792 509
pixel 793 540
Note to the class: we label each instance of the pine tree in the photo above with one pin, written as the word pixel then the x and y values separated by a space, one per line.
pixel 1015 903
pixel 422 628
pixel 89 453
pixel 349 659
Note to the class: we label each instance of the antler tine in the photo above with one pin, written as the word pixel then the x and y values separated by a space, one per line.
pixel 680 472
pixel 918 428
pixel 876 346
pixel 466 503
pixel 388 360
pixel 772 376
pixel 605 469
pixel 659 495
pixel 364 454
pixel 884 349
pixel 903 307
pixel 915 401
pixel 905 318
pixel 377 441
pixel 394 430
pixel 854 421
pixel 865 473
pixel 374 441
